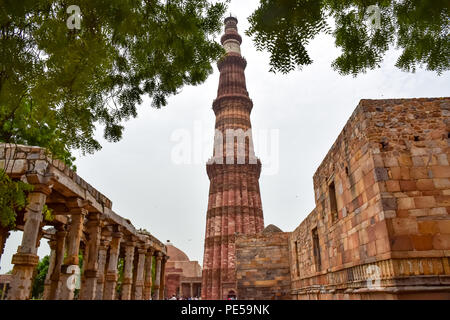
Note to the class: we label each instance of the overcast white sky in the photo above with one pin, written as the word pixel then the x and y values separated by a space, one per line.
pixel 308 107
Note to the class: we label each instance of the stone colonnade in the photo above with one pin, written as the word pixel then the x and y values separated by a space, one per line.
pixel 81 224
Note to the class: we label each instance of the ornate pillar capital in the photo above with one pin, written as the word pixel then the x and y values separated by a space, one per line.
pixel 52 244
pixel 41 183
pixel 159 256
pixel 117 234
pixel 150 252
pixel 77 206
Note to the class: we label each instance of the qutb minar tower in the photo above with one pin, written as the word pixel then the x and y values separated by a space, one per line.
pixel 234 204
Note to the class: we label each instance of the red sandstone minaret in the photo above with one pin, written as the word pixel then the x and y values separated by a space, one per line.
pixel 234 204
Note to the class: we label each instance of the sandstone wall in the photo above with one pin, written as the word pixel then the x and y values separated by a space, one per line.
pixel 262 266
pixel 388 172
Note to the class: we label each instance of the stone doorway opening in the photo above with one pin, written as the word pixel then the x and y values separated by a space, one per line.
pixel 231 295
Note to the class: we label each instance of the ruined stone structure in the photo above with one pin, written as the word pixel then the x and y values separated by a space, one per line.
pixel 183 277
pixel 82 222
pixel 381 225
pixel 5 285
pixel 234 204
pixel 262 265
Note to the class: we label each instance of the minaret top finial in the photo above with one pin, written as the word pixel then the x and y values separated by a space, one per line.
pixel 231 19
pixel 231 40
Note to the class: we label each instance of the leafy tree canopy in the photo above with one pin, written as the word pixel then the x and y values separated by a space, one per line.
pixel 39 279
pixel 57 82
pixel 12 199
pixel 363 29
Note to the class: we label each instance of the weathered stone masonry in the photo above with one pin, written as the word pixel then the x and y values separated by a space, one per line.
pixel 262 265
pixel 83 222
pixel 382 208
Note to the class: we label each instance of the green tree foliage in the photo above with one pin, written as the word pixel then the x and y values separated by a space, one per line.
pixel 57 83
pixel 12 199
pixel 120 267
pixel 363 29
pixel 39 279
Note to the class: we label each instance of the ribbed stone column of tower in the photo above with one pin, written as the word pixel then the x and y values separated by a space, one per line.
pixel 234 204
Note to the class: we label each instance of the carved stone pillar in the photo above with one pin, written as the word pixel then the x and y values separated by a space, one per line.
pixel 111 272
pixel 26 259
pixel 70 269
pixel 55 280
pixel 51 268
pixel 91 265
pixel 162 285
pixel 148 274
pixel 4 234
pixel 139 281
pixel 159 257
pixel 128 270
pixel 191 289
pixel 102 255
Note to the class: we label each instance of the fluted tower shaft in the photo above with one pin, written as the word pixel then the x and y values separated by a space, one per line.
pixel 234 204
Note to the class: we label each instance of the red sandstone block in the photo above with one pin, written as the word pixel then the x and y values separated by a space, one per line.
pixel 371 249
pixel 442 183
pixel 354 240
pixel 369 179
pixel 401 243
pixel 370 192
pixel 380 229
pixel 441 241
pixel 404 173
pixel 405 160
pixel 383 245
pixel 408 185
pixel 406 203
pixel 404 226
pixel 444 226
pixel 418 161
pixel 396 173
pixel 431 193
pixel 390 162
pixel 438 211
pixel 425 184
pixel 367 165
pixel 428 227
pixel 422 242
pixel 363 236
pixel 442 159
pixel 378 160
pixel 425 202
pixel 419 173
pixel 347 256
pixel 441 171
pixel 402 213
pixel 419 212
pixel 357 174
pixel 371 233
pixel 392 185
pixel 418 151
pixel 443 201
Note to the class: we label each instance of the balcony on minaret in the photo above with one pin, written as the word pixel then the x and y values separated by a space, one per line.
pixel 231 40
